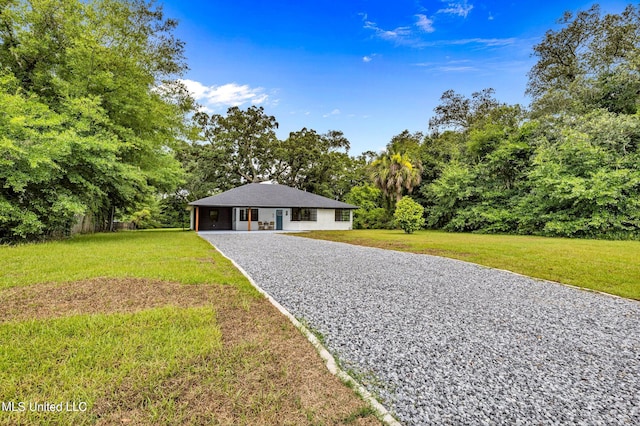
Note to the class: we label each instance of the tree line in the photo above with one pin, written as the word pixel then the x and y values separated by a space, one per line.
pixel 568 166
pixel 94 121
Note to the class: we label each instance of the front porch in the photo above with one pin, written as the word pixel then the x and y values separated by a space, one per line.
pixel 204 218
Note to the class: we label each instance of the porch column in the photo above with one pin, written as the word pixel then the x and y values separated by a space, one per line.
pixel 197 218
pixel 249 216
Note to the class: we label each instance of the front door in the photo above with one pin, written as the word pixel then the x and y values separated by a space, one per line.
pixel 279 220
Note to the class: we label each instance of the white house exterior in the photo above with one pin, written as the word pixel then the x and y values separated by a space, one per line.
pixel 257 207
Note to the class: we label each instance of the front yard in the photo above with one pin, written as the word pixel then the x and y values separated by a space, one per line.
pixel 152 328
pixel 608 266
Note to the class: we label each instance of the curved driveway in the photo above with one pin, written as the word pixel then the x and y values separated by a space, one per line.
pixel 442 341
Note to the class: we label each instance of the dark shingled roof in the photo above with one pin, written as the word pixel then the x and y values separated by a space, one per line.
pixel 270 195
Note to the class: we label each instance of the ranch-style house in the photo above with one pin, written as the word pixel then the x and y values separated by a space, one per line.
pixel 267 206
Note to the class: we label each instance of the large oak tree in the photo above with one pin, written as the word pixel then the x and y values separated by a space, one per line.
pixel 592 61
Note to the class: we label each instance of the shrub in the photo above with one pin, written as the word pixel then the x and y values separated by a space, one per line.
pixel 409 215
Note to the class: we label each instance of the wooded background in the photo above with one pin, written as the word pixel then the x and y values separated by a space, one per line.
pixel 95 123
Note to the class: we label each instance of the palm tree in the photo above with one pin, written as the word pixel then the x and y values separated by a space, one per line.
pixel 394 174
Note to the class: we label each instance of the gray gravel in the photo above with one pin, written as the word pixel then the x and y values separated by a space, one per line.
pixel 441 341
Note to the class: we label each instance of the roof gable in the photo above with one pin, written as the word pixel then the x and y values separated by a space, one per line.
pixel 270 195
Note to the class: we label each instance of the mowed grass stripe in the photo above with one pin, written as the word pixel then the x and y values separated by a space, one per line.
pixel 608 266
pixel 165 255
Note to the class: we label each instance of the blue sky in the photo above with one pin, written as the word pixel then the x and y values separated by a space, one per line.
pixel 368 68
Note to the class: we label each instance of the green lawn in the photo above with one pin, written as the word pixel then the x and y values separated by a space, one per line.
pixel 80 359
pixel 608 266
pixel 165 255
pixel 152 327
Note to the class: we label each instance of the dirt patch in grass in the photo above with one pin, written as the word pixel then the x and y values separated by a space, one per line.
pixel 293 366
pixel 106 295
pixel 265 373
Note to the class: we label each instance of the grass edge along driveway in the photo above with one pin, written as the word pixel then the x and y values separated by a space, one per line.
pixel 152 328
pixel 607 266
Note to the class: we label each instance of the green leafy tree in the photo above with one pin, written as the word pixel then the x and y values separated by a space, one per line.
pixel 318 163
pixel 146 218
pixel 452 191
pixel 437 151
pixel 570 168
pixel 406 143
pixel 244 141
pixel 409 215
pixel 591 62
pixel 56 166
pixel 370 214
pixel 173 210
pixel 92 101
pixel 457 112
pixel 474 171
pixel 242 147
pixel 585 180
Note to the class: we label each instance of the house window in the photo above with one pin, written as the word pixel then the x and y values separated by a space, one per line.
pixel 343 215
pixel 303 214
pixel 244 215
pixel 214 214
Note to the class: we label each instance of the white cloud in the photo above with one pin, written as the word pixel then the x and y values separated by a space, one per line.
pixel 299 112
pixel 334 112
pixel 449 66
pixel 413 35
pixel 482 42
pixel 369 58
pixel 456 69
pixel 424 23
pixel 406 35
pixel 459 9
pixel 259 99
pixel 226 95
pixel 195 87
pixel 489 42
pixel 399 35
pixel 486 66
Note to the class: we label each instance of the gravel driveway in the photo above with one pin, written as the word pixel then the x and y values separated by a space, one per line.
pixel 442 341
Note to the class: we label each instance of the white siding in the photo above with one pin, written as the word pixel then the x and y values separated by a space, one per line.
pixel 326 221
